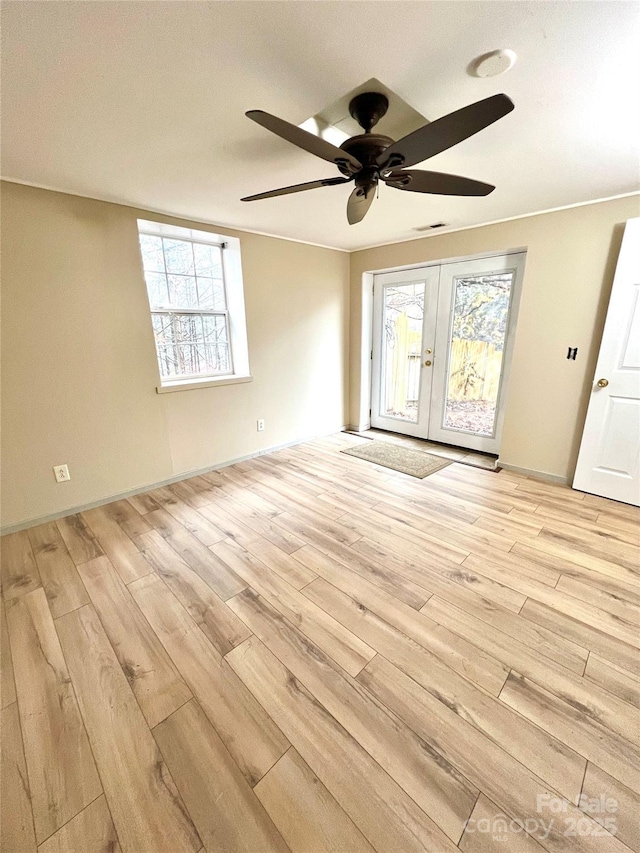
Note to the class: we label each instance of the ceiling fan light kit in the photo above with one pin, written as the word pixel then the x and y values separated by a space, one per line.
pixel 369 158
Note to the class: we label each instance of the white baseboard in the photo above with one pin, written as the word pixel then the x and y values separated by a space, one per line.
pixel 529 472
pixel 32 522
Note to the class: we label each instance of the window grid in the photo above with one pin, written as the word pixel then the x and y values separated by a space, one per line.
pixel 206 357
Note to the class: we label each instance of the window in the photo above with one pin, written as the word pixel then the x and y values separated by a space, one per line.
pixel 194 284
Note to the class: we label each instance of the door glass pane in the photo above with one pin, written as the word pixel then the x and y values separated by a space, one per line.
pixel 480 313
pixel 403 310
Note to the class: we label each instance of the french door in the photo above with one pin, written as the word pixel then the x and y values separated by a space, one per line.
pixel 405 305
pixel 442 344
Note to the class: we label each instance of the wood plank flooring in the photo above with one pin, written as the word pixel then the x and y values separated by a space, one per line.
pixel 305 652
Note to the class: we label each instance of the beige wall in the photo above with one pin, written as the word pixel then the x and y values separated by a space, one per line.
pixel 79 365
pixel 570 263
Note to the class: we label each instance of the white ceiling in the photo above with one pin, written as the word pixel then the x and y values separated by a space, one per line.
pixel 143 103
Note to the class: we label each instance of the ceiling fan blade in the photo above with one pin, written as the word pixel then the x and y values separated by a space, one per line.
pixel 445 132
pixel 359 203
pixel 438 183
pixel 303 139
pixel 297 188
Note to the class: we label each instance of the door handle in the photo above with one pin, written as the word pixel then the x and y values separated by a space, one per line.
pixel 427 364
pixel 602 383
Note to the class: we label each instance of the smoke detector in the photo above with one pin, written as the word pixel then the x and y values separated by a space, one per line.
pixel 494 63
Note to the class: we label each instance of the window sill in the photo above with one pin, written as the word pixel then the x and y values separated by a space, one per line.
pixel 208 382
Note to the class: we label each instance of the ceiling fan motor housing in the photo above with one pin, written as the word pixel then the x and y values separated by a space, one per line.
pixel 366 148
pixel 367 109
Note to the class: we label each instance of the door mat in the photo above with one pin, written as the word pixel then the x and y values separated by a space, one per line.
pixel 416 463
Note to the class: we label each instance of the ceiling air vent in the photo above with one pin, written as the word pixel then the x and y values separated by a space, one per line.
pixel 431 227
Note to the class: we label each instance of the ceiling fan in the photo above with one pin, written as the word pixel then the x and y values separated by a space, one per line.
pixel 370 157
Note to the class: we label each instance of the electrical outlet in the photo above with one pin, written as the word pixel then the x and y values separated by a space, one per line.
pixel 61 473
pixel 260 425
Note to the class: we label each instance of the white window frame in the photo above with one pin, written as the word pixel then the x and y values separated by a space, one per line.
pixel 234 313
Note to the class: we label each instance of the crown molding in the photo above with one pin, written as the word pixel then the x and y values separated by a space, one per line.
pixel 440 232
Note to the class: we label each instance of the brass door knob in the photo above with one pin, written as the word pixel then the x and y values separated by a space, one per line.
pixel 427 364
pixel 602 383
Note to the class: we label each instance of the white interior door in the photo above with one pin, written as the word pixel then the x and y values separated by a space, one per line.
pixel 404 326
pixel 609 459
pixel 477 307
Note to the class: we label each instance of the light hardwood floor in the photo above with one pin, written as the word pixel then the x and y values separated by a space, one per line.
pixel 308 653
